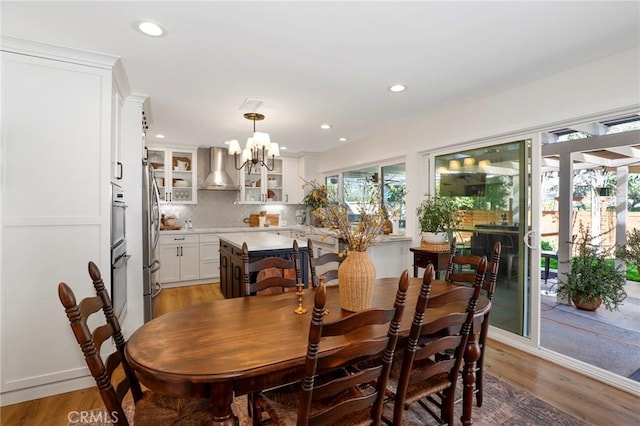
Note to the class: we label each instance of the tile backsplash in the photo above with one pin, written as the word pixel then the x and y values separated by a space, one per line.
pixel 221 208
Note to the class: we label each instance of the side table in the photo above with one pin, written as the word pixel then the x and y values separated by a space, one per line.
pixel 422 257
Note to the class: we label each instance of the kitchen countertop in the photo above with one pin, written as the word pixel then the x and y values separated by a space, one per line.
pixel 260 241
pixel 231 229
pixel 308 230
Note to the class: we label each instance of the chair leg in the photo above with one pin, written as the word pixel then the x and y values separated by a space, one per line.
pixel 447 407
pixel 479 383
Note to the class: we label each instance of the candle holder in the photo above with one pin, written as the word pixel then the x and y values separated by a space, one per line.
pixel 300 310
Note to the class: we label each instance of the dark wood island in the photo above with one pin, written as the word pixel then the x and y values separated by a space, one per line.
pixel 261 245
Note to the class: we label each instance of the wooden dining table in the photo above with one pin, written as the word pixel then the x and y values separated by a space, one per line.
pixel 233 347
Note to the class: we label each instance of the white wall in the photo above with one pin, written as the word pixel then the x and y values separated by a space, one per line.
pixel 605 85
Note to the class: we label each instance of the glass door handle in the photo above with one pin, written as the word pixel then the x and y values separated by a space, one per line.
pixel 529 238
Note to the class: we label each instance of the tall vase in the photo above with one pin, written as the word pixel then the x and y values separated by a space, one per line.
pixel 356 279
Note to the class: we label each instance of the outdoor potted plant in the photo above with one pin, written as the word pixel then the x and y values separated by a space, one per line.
pixel 631 251
pixel 593 279
pixel 437 216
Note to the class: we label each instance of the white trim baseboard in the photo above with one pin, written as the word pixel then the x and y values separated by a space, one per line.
pixel 49 389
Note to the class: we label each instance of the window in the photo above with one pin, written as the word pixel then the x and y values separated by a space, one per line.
pixel 387 182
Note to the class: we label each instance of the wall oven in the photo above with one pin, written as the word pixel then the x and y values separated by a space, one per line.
pixel 119 257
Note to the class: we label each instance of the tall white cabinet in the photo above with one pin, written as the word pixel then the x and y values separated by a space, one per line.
pixel 57 159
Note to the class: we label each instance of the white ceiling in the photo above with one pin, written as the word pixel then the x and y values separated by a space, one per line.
pixel 316 62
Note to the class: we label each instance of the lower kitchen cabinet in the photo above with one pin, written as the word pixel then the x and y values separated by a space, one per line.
pixel 390 258
pixel 179 257
pixel 231 267
pixel 209 256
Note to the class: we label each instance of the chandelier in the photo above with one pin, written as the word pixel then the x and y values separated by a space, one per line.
pixel 258 147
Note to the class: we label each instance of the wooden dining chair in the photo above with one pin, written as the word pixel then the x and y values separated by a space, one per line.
pixel 461 269
pixel 266 276
pixel 150 408
pixel 325 261
pixel 334 389
pixel 419 373
pixel 271 274
pixel 489 286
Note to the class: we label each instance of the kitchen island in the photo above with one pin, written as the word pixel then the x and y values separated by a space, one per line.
pixel 261 245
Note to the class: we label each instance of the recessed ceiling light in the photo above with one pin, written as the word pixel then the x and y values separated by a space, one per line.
pixel 397 88
pixel 159 136
pixel 227 142
pixel 284 148
pixel 342 139
pixel 150 28
pixel 325 126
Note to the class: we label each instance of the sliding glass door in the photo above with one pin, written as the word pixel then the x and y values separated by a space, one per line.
pixel 492 186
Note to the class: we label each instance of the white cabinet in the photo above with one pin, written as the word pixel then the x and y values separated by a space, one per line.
pixel 179 257
pixel 175 170
pixel 117 134
pixel 292 184
pixel 56 115
pixel 281 185
pixel 390 258
pixel 262 185
pixel 282 232
pixel 209 256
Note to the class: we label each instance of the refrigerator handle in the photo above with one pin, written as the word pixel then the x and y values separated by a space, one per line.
pixel 157 288
pixel 155 265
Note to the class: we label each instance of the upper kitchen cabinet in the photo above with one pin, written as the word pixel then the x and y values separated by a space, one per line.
pixel 280 185
pixel 117 133
pixel 57 123
pixel 175 171
pixel 291 182
pixel 261 185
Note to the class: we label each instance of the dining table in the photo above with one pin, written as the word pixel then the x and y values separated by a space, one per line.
pixel 226 348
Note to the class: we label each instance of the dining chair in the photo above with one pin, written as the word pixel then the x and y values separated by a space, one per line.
pixel 325 261
pixel 419 373
pixel 489 286
pixel 266 276
pixel 334 389
pixel 271 274
pixel 150 408
pixel 461 270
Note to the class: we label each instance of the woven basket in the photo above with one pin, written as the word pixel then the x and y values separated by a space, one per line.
pixel 356 280
pixel 440 247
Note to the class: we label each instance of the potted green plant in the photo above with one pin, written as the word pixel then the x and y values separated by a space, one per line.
pixel 437 216
pixel 593 279
pixel 631 250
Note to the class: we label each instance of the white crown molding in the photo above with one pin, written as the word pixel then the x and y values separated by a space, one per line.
pixel 63 54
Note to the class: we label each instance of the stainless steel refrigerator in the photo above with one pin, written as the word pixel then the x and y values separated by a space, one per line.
pixel 150 235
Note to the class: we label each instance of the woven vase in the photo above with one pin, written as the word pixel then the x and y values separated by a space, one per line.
pixel 356 279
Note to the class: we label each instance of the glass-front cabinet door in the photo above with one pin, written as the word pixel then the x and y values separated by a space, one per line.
pixel 261 185
pixel 175 174
pixel 491 186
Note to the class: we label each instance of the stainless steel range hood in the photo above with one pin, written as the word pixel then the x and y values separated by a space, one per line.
pixel 218 179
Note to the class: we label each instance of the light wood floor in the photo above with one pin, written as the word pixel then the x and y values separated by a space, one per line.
pixel 584 398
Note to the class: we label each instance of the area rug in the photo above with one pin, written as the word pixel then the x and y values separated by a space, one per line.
pixel 503 404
